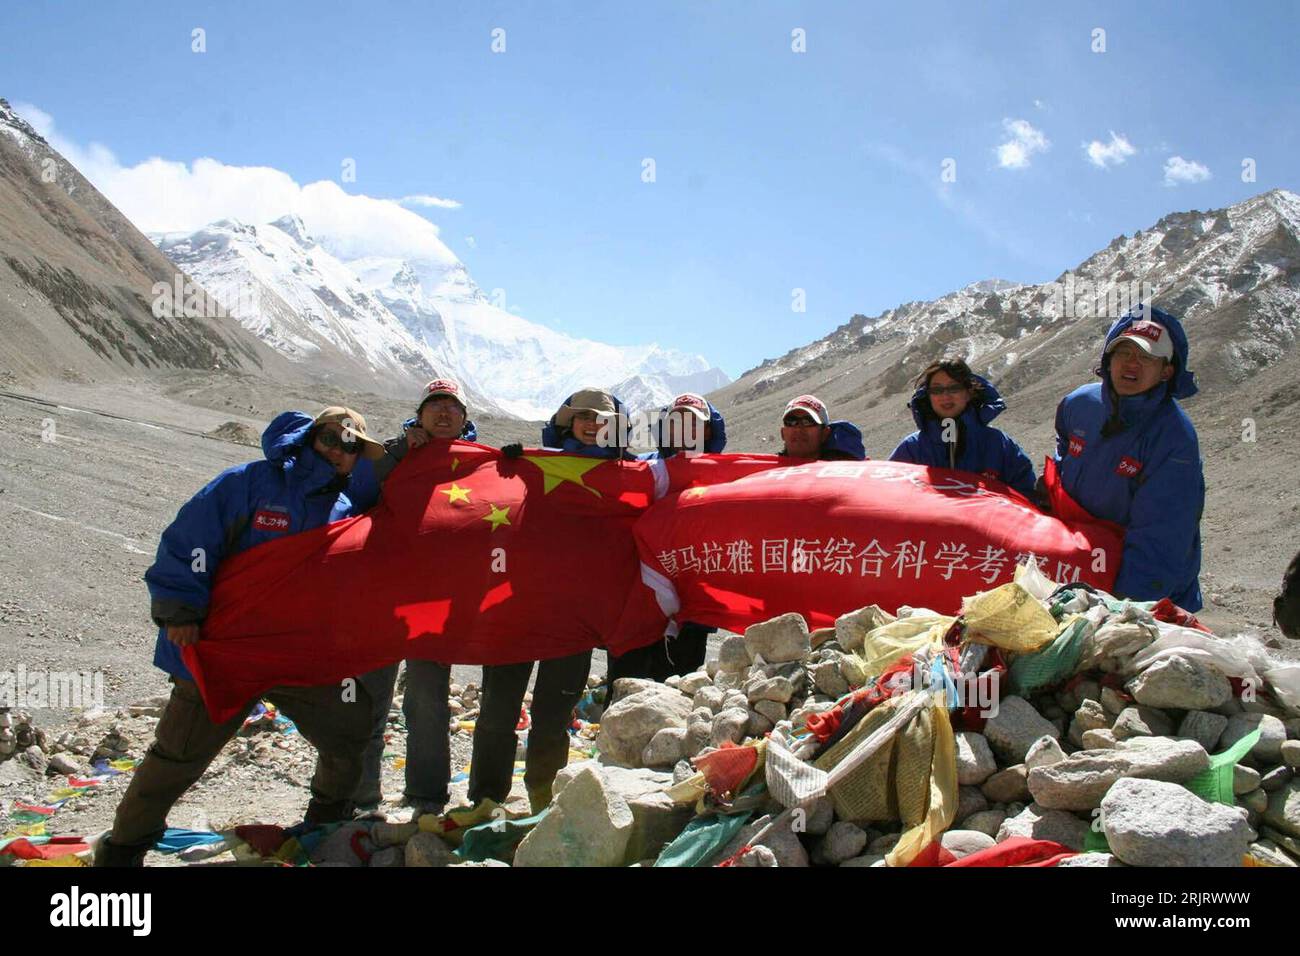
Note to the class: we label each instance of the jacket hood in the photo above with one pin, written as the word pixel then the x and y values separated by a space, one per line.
pixel 987 406
pixel 1183 384
pixel 845 437
pixel 284 442
pixel 553 435
pixel 716 443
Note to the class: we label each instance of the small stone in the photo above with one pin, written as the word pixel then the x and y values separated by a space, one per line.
pixel 1291 753
pixel 665 748
pixel 729 727
pixel 682 770
pixel 389 856
pixel 778 689
pixel 986 821
pixel 781 837
pixel 1154 823
pixel 1276 779
pixel 1203 727
pixel 820 816
pixel 843 841
pixel 711 667
pixel 1268 853
pixel 759 856
pixel 428 849
pixel 828 679
pixel 34 757
pixel 771 709
pixel 853 670
pixel 1092 716
pixel 1255 801
pixel 62 764
pixel 970 800
pixel 758 725
pixel 693 682
pixel 710 698
pixel 1045 752
pixel 975 761
pixel 851 629
pixel 961 843
pixel 1007 786
pixel 783 638
pixel 884 845
pixel 1272 734
pixel 1112 701
pixel 1091 859
pixel 1141 722
pixel 727 681
pixel 1039 823
pixel 1014 729
pixel 1099 739
pixel 1179 682
pixel 1283 810
pixel 733 654
pixel 1244 779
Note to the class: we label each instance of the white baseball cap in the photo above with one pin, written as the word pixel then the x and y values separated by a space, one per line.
pixel 1148 335
pixel 812 405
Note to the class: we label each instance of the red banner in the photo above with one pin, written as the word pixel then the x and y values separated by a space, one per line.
pixel 473 558
pixel 826 538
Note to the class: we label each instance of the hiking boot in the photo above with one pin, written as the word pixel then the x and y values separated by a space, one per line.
pixel 108 853
pixel 320 811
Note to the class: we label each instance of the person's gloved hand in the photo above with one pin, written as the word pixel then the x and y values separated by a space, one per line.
pixel 1040 496
pixel 513 450
pixel 416 436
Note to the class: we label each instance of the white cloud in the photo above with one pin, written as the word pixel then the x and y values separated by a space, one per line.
pixel 1114 153
pixel 1179 170
pixel 164 195
pixel 471 242
pixel 1025 141
pixel 435 202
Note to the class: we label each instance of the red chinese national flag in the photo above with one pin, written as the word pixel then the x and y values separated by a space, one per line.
pixel 468 558
pixel 826 538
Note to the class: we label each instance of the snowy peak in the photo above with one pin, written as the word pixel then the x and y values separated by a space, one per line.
pixel 292 227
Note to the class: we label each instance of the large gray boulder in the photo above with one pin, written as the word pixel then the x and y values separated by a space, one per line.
pixel 1081 780
pixel 1180 683
pixel 588 824
pixel 1155 823
pixel 632 721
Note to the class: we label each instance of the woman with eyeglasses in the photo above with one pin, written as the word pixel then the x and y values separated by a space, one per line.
pixel 952 407
pixel 591 423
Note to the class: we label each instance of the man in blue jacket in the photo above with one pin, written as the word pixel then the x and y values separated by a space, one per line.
pixel 808 432
pixel 953 408
pixel 1127 452
pixel 299 485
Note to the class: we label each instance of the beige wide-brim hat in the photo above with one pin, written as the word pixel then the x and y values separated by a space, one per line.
pixel 587 400
pixel 354 426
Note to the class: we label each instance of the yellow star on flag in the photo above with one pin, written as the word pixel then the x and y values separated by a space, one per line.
pixel 455 493
pixel 455 463
pixel 696 492
pixel 561 468
pixel 498 517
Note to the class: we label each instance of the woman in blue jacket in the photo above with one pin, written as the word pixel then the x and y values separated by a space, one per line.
pixel 952 407
pixel 300 484
pixel 574 428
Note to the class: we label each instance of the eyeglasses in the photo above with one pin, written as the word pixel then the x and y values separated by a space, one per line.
pixel 798 421
pixel 946 389
pixel 1127 353
pixel 330 439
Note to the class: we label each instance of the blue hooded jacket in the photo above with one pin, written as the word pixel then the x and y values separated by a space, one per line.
pixel 844 443
pixel 292 490
pixel 556 438
pixel 1143 472
pixel 984 449
pixel 715 444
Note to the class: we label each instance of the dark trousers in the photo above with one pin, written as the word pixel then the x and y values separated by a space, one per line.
pixel 683 654
pixel 560 684
pixel 187 741
pixel 428 743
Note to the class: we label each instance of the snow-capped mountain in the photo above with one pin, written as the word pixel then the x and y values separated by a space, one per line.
pixel 649 391
pixel 409 319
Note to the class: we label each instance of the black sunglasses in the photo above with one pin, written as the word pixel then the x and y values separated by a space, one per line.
pixel 332 439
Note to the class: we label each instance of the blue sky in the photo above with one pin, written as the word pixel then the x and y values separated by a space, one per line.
pixel 774 170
